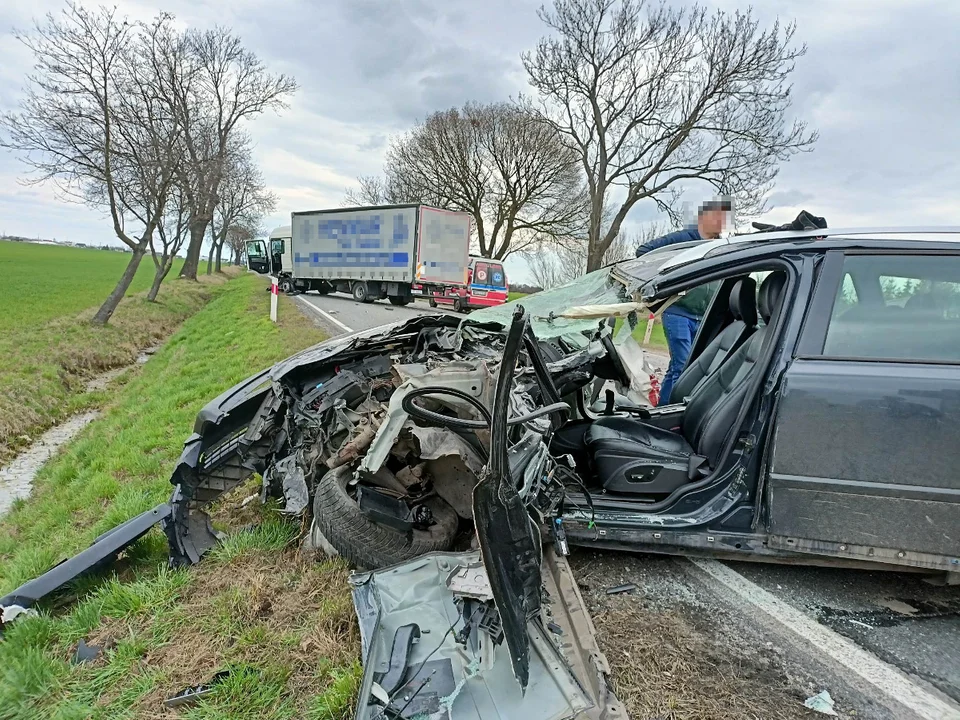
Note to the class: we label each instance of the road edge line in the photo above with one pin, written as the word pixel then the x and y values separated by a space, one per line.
pixel 887 679
pixel 325 315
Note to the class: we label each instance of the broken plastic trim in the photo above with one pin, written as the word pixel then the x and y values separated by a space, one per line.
pixel 105 547
pixel 462 674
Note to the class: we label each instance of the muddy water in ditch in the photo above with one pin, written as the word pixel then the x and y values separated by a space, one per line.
pixel 16 479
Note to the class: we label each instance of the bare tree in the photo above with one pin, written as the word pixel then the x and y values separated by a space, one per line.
pixel 501 163
pixel 243 201
pixel 555 263
pixel 171 232
pixel 374 190
pixel 91 124
pixel 212 84
pixel 237 238
pixel 651 97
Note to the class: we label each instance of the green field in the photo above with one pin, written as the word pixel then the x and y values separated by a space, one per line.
pixel 41 282
pixel 48 348
pixel 282 624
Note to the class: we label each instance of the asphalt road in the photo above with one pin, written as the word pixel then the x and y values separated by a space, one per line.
pixel 341 313
pixel 833 621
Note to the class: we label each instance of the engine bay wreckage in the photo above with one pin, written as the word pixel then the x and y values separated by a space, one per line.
pixel 403 444
pixel 420 452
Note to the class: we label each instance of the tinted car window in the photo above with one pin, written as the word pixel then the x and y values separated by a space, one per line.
pixel 897 307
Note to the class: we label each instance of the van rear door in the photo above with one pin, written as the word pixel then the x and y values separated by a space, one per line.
pixel 488 283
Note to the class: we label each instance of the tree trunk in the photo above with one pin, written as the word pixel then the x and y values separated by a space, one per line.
pixel 164 268
pixel 198 229
pixel 219 255
pixel 213 249
pixel 110 304
pixel 594 259
pixel 594 239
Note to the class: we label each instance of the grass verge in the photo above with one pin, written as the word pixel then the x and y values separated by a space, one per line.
pixel 657 338
pixel 280 624
pixel 43 365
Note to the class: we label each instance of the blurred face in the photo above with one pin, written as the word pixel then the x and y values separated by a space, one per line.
pixel 711 223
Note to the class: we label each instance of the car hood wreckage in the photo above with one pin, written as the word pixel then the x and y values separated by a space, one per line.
pixel 404 442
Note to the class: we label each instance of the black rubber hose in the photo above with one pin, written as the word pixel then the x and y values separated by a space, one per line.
pixel 445 420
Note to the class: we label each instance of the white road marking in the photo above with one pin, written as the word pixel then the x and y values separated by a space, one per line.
pixel 325 315
pixel 887 679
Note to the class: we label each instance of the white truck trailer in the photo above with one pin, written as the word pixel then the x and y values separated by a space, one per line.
pixel 369 252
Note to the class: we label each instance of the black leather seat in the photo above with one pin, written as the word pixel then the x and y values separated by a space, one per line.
pixel 743 307
pixel 629 456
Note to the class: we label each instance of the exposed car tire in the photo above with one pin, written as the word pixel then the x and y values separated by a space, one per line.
pixel 286 285
pixel 400 301
pixel 459 306
pixel 361 293
pixel 367 544
pixel 432 303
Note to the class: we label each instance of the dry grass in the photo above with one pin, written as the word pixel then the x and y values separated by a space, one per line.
pixel 256 610
pixel 666 667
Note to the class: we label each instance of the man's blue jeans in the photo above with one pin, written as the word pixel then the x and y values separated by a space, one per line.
pixel 680 330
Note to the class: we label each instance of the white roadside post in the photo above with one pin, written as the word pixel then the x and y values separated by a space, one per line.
pixel 649 331
pixel 274 294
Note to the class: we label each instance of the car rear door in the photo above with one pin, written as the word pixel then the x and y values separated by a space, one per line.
pixel 864 459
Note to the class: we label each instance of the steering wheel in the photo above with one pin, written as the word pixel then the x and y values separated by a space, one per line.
pixel 616 360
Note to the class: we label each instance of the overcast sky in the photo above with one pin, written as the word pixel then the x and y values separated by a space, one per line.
pixel 881 82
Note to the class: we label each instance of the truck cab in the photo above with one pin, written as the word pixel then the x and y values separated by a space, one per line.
pixel 272 256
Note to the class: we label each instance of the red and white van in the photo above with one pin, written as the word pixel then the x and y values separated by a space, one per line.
pixel 486 286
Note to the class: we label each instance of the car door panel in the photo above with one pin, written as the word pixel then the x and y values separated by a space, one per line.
pixel 865 454
pixel 864 459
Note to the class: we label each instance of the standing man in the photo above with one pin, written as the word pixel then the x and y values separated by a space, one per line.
pixel 681 320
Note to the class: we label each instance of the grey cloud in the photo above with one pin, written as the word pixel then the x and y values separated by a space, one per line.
pixel 790 197
pixel 374 142
pixel 881 82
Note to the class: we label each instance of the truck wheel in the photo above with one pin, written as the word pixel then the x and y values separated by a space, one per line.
pixel 365 543
pixel 400 301
pixel 432 303
pixel 324 288
pixel 286 285
pixel 361 293
pixel 459 306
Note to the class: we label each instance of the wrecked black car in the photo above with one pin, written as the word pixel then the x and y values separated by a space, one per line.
pixel 814 422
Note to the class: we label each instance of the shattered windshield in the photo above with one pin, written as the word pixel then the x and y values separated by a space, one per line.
pixel 596 288
pixel 606 286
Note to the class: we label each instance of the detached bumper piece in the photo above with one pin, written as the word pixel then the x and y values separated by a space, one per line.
pixel 101 551
pixel 433 647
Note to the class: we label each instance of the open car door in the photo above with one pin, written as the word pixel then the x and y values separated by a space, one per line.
pixel 257 257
